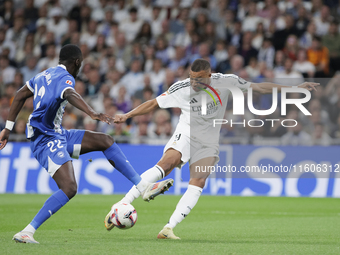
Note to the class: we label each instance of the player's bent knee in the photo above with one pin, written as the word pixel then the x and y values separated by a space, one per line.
pixel 70 190
pixel 104 141
pixel 108 141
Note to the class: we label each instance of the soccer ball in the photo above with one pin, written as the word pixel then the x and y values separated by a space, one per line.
pixel 123 215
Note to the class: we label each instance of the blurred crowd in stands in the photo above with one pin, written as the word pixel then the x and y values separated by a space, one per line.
pixel 134 50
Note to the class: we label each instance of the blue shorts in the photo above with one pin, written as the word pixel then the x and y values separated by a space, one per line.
pixel 52 151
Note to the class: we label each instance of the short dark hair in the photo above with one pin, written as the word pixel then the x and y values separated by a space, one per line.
pixel 133 9
pixel 69 52
pixel 268 39
pixel 200 65
pixel 148 90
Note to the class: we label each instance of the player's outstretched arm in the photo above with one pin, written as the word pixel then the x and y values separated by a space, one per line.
pixel 144 108
pixel 267 87
pixel 77 101
pixel 18 102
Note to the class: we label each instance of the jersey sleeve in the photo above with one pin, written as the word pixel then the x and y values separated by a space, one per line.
pixel 242 84
pixel 67 82
pixel 236 81
pixel 30 85
pixel 171 98
pixel 167 100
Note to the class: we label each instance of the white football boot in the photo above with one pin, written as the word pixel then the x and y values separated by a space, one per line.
pixel 24 237
pixel 154 189
pixel 108 224
pixel 167 233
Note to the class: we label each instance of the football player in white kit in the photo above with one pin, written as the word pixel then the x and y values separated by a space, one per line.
pixel 195 139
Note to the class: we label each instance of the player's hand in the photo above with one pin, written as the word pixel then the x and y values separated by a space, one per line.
pixel 120 118
pixel 309 85
pixel 103 118
pixel 4 138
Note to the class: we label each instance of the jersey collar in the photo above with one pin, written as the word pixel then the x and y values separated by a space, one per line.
pixel 62 66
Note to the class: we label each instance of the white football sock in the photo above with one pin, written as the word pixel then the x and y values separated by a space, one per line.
pixel 154 174
pixel 184 206
pixel 142 185
pixel 29 228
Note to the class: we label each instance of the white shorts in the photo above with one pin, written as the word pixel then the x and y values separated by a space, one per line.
pixel 192 150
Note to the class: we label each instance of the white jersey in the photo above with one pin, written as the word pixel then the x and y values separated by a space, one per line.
pixel 192 123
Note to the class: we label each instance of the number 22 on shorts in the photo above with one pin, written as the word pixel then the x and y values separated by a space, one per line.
pixel 51 144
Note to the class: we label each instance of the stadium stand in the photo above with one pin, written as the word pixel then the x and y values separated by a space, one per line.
pixel 134 50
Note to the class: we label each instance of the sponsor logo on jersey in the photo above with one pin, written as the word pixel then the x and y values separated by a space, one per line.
pixel 210 108
pixel 69 82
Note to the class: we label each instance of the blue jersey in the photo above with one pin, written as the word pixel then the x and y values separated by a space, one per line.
pixel 49 103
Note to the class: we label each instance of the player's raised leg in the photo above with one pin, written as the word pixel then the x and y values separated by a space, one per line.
pixel 170 159
pixel 64 177
pixel 189 199
pixel 94 141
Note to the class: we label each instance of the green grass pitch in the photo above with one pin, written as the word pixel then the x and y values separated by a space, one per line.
pixel 217 225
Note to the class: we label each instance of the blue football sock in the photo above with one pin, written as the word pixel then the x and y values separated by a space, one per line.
pixel 122 164
pixel 51 206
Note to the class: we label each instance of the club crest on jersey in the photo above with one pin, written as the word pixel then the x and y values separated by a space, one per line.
pixel 60 154
pixel 69 82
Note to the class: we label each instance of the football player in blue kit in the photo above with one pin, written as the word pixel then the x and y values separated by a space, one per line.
pixel 54 146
